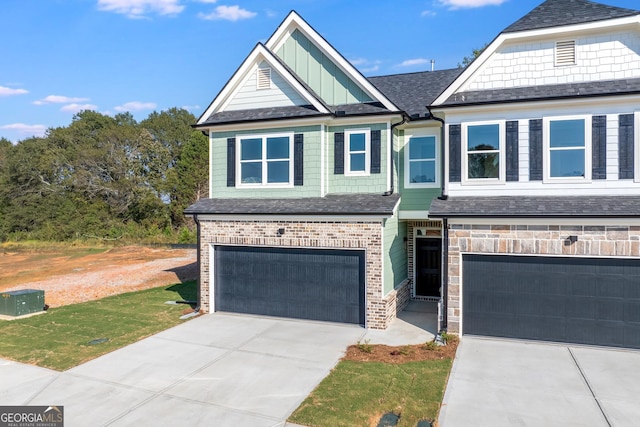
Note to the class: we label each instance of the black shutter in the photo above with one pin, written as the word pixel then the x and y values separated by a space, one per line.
pixel 455 142
pixel 512 151
pixel 231 162
pixel 535 150
pixel 625 144
pixel 338 153
pixel 599 147
pixel 376 150
pixel 298 159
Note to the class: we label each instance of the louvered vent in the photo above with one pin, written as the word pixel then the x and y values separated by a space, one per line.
pixel 566 53
pixel 264 78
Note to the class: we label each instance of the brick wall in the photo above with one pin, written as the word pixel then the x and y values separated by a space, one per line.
pixel 309 234
pixel 593 241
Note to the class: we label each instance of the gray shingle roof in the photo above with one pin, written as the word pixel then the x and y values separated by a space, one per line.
pixel 259 114
pixel 332 204
pixel 537 206
pixel 532 93
pixel 555 13
pixel 412 92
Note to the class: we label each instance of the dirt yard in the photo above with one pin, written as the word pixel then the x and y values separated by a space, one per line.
pixel 77 275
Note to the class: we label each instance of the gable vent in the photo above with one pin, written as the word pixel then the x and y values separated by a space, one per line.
pixel 264 78
pixel 566 53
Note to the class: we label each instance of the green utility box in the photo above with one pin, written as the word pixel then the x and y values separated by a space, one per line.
pixel 19 303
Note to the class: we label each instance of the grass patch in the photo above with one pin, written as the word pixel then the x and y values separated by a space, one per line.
pixel 359 393
pixel 60 338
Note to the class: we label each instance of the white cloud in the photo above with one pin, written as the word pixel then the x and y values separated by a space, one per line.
pixel 468 4
pixel 371 69
pixel 135 106
pixel 140 8
pixel 75 108
pixel 26 130
pixel 428 13
pixel 413 62
pixel 228 13
pixel 365 65
pixel 7 91
pixel 190 107
pixel 206 1
pixel 58 99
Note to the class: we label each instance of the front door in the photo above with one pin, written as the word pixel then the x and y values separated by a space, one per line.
pixel 428 263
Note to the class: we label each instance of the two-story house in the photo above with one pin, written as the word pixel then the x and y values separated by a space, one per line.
pixel 507 190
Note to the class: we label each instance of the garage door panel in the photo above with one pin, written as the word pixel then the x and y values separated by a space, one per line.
pixel 317 284
pixel 564 299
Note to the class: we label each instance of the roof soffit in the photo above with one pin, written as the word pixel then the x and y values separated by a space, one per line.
pixel 295 22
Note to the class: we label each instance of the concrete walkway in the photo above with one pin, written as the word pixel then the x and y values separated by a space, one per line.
pixel 218 369
pixel 510 383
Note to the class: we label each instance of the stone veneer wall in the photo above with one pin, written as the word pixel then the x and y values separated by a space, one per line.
pixel 309 234
pixel 593 241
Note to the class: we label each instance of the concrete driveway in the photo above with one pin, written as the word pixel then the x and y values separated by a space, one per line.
pixel 218 369
pixel 511 383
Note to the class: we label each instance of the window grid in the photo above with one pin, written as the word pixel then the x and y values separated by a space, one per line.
pixel 271 167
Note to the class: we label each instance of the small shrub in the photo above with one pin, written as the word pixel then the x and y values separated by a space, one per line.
pixel 405 350
pixel 365 347
pixel 447 338
pixel 430 345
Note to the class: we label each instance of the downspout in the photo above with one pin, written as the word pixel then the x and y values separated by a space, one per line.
pixel 445 228
pixel 443 193
pixel 393 126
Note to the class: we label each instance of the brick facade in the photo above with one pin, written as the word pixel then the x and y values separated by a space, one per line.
pixel 380 310
pixel 544 240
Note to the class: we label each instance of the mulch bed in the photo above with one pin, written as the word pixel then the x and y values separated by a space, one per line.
pixel 402 354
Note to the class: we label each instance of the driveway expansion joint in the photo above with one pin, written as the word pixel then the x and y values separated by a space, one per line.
pixel 586 381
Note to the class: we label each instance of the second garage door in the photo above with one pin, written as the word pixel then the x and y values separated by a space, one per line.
pixel 563 299
pixel 315 284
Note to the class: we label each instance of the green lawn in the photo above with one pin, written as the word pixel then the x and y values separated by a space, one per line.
pixel 359 393
pixel 60 338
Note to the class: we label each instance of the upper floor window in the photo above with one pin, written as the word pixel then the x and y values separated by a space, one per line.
pixel 265 160
pixel 357 152
pixel 421 165
pixel 567 149
pixel 483 145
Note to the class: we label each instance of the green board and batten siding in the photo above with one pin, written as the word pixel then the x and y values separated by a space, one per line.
pixel 395 253
pixel 311 187
pixel 372 183
pixel 319 72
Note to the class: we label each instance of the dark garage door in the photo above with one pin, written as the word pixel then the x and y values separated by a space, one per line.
pixel 576 300
pixel 313 284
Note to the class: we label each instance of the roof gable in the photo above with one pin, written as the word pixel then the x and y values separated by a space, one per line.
pixel 358 88
pixel 289 91
pixel 555 13
pixel 549 22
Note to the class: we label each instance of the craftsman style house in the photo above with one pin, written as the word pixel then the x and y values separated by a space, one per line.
pixel 509 190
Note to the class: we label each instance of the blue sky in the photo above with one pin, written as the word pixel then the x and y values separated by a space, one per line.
pixel 61 56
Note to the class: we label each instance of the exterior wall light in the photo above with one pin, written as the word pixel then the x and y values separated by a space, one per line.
pixel 570 240
pixel 280 231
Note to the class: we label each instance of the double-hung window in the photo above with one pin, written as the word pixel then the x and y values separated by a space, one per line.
pixel 484 153
pixel 265 160
pixel 357 149
pixel 567 148
pixel 421 164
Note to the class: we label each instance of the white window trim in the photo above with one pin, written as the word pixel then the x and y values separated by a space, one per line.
pixel 367 153
pixel 502 155
pixel 546 158
pixel 636 146
pixel 407 161
pixel 264 183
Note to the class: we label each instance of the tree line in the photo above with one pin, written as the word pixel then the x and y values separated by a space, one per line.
pixel 104 177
